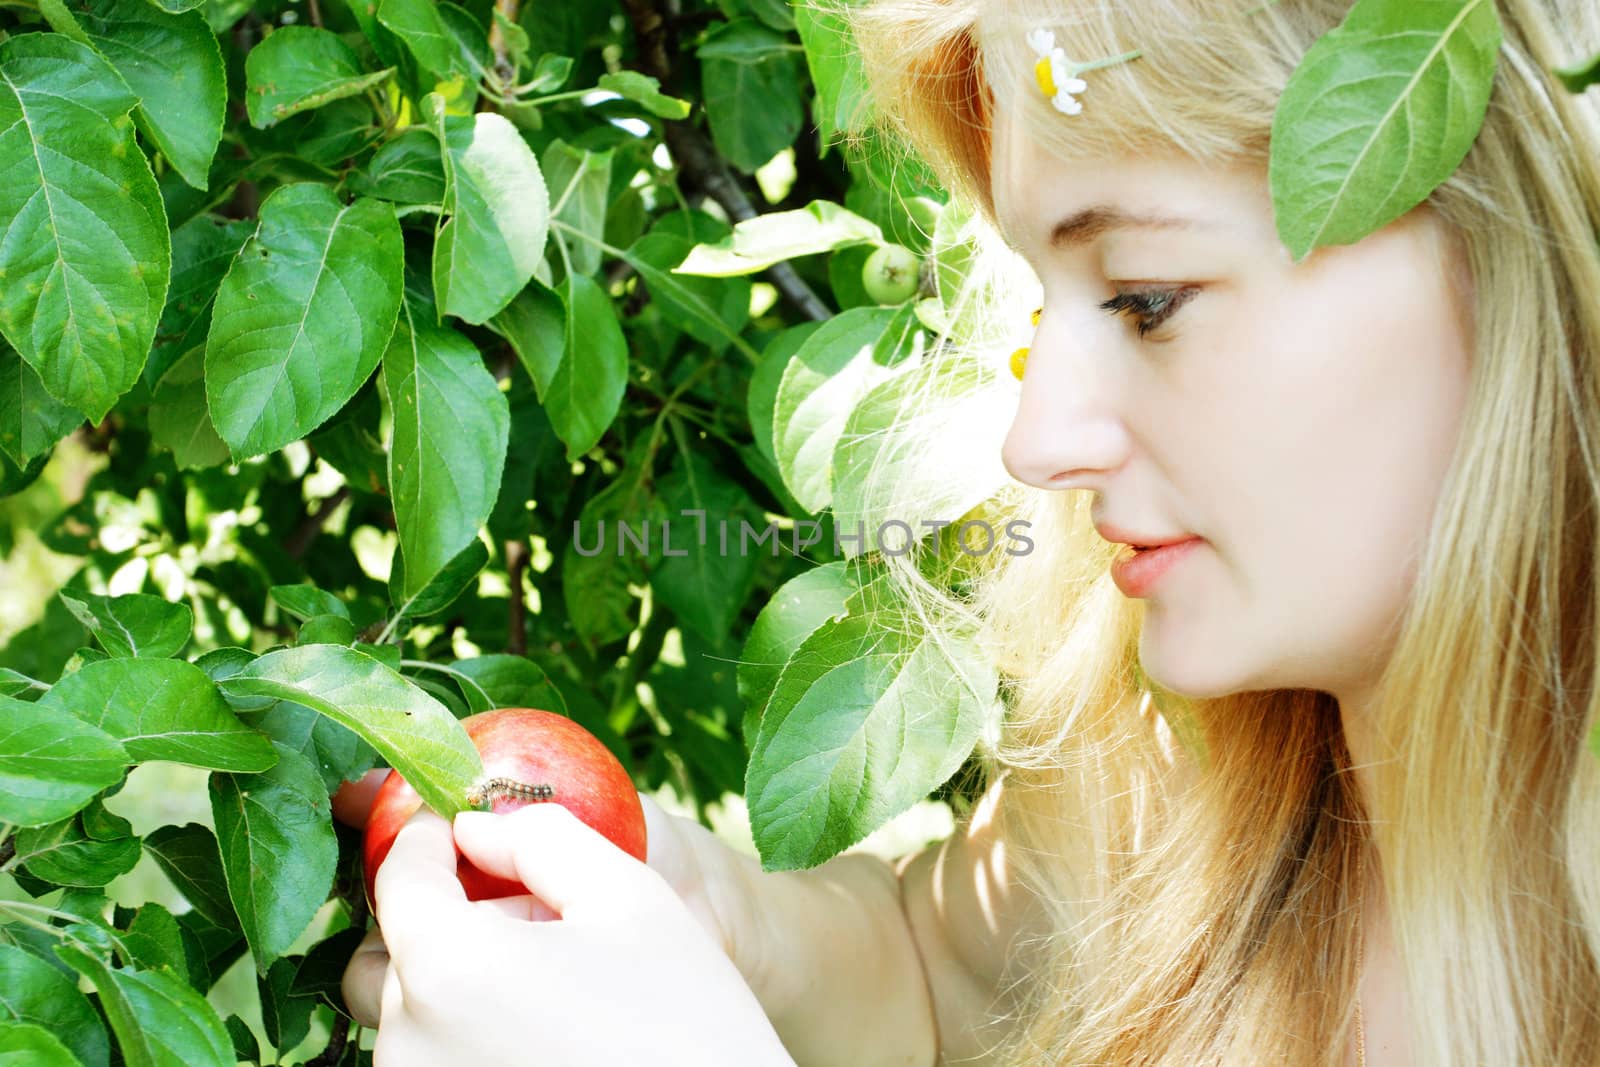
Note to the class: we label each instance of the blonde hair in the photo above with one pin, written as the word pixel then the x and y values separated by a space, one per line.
pixel 1198 865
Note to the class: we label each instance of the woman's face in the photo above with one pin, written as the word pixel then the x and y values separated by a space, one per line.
pixel 1298 418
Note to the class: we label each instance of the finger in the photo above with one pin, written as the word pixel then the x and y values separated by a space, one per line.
pixel 419 902
pixel 564 861
pixel 352 801
pixel 363 980
pixel 526 907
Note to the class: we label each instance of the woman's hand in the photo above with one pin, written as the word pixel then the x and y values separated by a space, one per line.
pixel 626 974
pixel 709 877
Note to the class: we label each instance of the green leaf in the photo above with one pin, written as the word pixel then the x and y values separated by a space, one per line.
pixel 83 271
pixel 179 418
pixel 153 939
pixel 498 208
pixel 64 854
pixel 31 420
pixel 297 68
pixel 579 181
pixel 136 624
pixel 1580 76
pixel 173 64
pixel 757 243
pixel 752 92
pixel 496 681
pixel 821 385
pixel 535 323
pixel 795 612
pixel 190 857
pixel 159 1021
pixel 39 994
pixel 711 310
pixel 307 601
pixel 338 753
pixel 51 765
pixel 161 709
pixel 585 393
pixel 26 1045
pixel 869 715
pixel 275 832
pixel 762 397
pixel 422 26
pixel 451 425
pixel 945 472
pixel 285 1018
pixel 302 317
pixel 1381 110
pixel 445 588
pixel 413 732
pixel 406 170
pixel 843 101
pixel 644 91
pixel 705 577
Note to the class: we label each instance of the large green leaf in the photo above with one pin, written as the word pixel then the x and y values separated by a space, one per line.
pixel 579 181
pixel 869 715
pixel 51 764
pixel 498 208
pixel 135 624
pixel 415 733
pixel 65 853
pixel 757 243
pixel 451 425
pixel 86 249
pixel 275 832
pixel 302 317
pixel 422 25
pixel 26 1045
pixel 173 64
pixel 161 709
pixel 796 610
pixel 190 857
pixel 159 1021
pixel 951 465
pixel 843 101
pixel 752 92
pixel 586 391
pixel 1381 110
pixel 297 68
pixel 39 994
pixel 821 385
pixel 705 572
pixel 31 420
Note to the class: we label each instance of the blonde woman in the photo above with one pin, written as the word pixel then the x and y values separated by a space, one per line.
pixel 1311 784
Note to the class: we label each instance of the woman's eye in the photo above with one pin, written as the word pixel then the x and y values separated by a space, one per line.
pixel 1149 308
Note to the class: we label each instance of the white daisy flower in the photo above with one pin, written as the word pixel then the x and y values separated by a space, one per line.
pixel 1056 73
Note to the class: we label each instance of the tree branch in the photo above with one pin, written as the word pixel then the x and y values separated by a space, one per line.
pixel 695 155
pixel 299 542
pixel 516 624
pixel 497 42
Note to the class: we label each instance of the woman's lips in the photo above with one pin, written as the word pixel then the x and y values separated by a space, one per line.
pixel 1137 570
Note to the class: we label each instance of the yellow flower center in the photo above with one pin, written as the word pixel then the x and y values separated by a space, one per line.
pixel 1019 360
pixel 1047 81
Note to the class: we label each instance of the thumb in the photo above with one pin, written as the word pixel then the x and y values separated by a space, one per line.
pixel 562 860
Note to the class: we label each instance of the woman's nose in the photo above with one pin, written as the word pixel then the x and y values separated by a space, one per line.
pixel 1064 435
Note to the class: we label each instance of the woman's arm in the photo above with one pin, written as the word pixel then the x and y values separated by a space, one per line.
pixel 866 963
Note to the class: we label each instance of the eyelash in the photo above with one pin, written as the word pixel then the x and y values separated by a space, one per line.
pixel 1150 308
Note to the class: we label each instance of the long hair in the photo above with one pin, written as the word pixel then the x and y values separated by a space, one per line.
pixel 1197 858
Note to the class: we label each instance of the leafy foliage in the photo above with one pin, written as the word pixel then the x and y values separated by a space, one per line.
pixel 367 366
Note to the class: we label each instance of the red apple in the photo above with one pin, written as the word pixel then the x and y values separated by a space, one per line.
pixel 531 748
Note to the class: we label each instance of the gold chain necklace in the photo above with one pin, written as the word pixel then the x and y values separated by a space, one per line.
pixel 1361 900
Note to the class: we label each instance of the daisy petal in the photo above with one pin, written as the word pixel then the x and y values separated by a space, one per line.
pixel 1041 40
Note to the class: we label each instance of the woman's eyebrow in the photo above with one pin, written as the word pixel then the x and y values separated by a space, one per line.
pixel 1092 222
